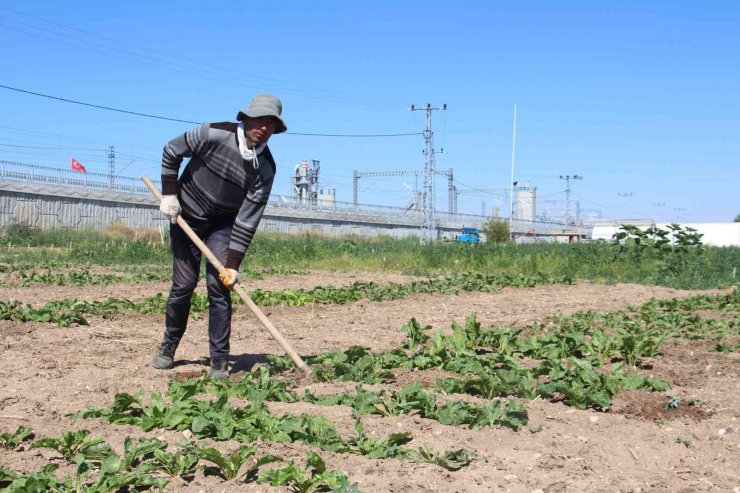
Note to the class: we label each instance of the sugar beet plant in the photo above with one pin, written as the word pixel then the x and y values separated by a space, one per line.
pixel 217 420
pixel 97 469
pixel 570 352
pixel 68 311
pixel 13 440
pixel 258 386
pixel 313 478
pixel 29 275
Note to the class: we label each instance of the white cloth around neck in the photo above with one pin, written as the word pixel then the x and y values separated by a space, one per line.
pixel 246 152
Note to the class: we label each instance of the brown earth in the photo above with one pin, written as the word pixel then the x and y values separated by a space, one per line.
pixel 48 372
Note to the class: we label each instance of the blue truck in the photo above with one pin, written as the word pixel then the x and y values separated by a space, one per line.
pixel 470 236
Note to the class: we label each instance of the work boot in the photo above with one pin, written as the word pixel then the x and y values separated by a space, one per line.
pixel 219 368
pixel 165 357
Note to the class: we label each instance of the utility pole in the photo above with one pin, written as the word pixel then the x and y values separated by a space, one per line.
pixel 354 188
pixel 111 165
pixel 511 183
pixel 567 179
pixel 429 219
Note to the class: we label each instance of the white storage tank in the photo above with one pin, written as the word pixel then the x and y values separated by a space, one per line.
pixel 525 202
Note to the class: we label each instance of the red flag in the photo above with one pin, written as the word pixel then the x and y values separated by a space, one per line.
pixel 77 166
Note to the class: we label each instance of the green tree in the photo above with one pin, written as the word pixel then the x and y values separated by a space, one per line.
pixel 496 230
pixel 737 218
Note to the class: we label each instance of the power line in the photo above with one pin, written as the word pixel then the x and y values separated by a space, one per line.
pixel 551 195
pixel 136 113
pixel 164 63
pixel 46 135
pixel 98 106
pixel 51 148
pixel 623 206
pixel 355 135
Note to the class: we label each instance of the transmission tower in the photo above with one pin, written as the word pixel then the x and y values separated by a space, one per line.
pixel 429 219
pixel 111 165
pixel 356 175
pixel 567 178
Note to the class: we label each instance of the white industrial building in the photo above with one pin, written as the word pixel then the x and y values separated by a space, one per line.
pixel 715 234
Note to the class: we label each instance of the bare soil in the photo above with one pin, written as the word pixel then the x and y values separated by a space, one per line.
pixel 49 372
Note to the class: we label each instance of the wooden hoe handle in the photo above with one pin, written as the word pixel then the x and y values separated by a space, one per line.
pixel 237 287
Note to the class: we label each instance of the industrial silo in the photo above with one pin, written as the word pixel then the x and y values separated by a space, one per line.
pixel 525 202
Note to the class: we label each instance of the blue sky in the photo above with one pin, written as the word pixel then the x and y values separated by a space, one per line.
pixel 639 98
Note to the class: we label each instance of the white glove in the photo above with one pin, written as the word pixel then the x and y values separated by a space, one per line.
pixel 231 278
pixel 170 207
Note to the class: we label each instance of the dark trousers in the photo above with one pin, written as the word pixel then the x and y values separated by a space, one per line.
pixel 185 273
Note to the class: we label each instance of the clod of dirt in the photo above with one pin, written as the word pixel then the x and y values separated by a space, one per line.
pixel 556 487
pixel 189 375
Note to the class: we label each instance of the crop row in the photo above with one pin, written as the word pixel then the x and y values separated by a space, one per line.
pixel 141 466
pixel 217 420
pixel 564 356
pixel 259 386
pixel 28 275
pixel 68 311
pixel 633 258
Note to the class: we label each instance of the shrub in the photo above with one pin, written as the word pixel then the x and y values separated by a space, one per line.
pixel 119 231
pixel 496 230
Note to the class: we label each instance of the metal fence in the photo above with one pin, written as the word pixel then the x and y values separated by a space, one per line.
pixel 69 178
pixel 283 204
pixel 380 213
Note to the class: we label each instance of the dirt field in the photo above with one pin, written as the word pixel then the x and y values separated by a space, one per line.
pixel 48 372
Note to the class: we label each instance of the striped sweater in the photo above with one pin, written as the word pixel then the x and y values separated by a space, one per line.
pixel 218 183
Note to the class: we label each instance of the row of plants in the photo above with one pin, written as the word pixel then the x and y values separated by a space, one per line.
pixel 653 257
pixel 83 277
pixel 147 464
pixel 580 358
pixel 259 386
pixel 67 311
pixel 218 420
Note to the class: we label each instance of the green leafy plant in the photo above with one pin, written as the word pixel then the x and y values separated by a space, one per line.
pixel 673 403
pixel 230 465
pixel 12 440
pixel 73 443
pixel 111 477
pixel 389 446
pixel 450 460
pixel 41 481
pixel 313 478
pixel 182 463
pixel 685 442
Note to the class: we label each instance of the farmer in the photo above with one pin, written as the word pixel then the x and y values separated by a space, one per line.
pixel 222 194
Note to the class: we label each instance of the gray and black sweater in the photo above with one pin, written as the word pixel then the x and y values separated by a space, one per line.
pixel 218 183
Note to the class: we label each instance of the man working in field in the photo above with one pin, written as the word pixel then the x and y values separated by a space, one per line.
pixel 222 194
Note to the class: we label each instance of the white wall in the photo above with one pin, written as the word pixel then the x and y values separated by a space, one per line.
pixel 715 234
